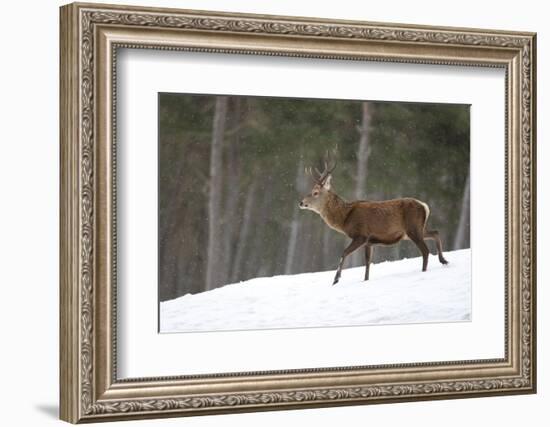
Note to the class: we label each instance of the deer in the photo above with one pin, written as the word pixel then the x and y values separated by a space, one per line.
pixel 369 223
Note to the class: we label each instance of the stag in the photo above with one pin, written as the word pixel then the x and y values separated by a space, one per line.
pixel 369 223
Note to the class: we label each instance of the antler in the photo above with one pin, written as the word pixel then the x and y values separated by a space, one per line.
pixel 327 171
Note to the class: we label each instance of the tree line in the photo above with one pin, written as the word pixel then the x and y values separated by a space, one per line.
pixel 231 175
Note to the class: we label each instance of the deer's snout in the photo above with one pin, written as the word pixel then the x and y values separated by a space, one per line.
pixel 303 205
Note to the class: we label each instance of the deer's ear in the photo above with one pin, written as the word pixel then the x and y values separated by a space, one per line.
pixel 327 182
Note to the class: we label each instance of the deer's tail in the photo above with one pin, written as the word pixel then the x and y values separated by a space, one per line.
pixel 427 210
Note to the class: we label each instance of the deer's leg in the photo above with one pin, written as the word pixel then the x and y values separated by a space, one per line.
pixel 421 244
pixel 434 235
pixel 356 243
pixel 368 257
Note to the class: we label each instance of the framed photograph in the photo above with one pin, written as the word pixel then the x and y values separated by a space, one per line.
pixel 265 212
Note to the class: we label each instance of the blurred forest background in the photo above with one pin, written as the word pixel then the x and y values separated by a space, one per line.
pixel 231 175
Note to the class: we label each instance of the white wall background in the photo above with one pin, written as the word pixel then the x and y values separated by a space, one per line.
pixel 29 171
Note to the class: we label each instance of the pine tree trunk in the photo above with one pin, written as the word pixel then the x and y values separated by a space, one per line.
pixel 362 152
pixel 328 262
pixel 361 177
pixel 292 238
pixel 256 260
pixel 294 225
pixel 462 237
pixel 230 210
pixel 244 232
pixel 214 253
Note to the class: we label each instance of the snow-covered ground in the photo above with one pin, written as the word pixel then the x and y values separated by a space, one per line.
pixel 397 292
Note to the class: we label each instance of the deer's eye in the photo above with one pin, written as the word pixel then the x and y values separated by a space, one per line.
pixel 315 193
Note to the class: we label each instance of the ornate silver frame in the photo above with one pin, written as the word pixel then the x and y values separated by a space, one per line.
pixel 90 36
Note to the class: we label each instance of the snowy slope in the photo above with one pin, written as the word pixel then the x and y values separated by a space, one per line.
pixel 398 292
